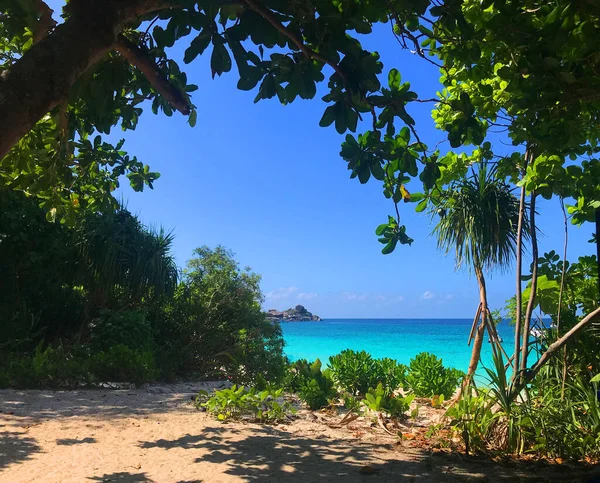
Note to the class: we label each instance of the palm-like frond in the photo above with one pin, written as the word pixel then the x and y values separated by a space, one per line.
pixel 118 250
pixel 479 222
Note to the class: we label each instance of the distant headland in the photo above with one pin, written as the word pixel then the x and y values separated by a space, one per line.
pixel 296 314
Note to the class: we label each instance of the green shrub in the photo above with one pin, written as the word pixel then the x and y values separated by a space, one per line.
pixel 315 387
pixel 295 374
pixel 214 325
pixel 236 402
pixel 472 419
pixel 257 355
pixel 17 371
pixel 351 403
pixel 123 364
pixel 317 393
pixel 382 400
pixel 355 372
pixel 391 374
pixel 127 328
pixel 46 367
pixel 428 377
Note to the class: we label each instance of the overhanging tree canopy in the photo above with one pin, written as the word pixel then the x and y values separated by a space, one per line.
pixel 62 84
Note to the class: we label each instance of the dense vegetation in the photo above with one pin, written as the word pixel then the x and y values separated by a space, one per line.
pixel 99 297
pixel 103 300
pixel 353 381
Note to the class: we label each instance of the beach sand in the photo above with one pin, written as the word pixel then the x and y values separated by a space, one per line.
pixel 154 434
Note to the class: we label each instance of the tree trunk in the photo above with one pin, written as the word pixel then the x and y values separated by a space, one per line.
pixel 560 296
pixel 519 268
pixel 598 247
pixel 479 334
pixel 42 78
pixel 564 265
pixel 532 294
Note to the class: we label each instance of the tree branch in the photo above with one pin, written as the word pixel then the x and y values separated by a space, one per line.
pixel 555 346
pixel 311 54
pixel 45 23
pixel 138 58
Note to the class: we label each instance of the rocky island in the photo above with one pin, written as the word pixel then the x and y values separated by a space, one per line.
pixel 295 314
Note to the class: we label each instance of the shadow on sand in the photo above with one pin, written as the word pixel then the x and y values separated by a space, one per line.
pixel 16 448
pixel 274 455
pixel 35 405
pixel 123 477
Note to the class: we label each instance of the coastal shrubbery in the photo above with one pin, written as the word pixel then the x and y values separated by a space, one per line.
pixel 237 402
pixel 101 299
pixel 555 420
pixel 356 372
pixel 427 377
pixel 357 378
pixel 381 400
pixel 314 386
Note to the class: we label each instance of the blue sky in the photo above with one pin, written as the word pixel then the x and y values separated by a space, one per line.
pixel 267 182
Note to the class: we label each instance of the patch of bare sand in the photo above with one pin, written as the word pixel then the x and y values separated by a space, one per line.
pixel 154 434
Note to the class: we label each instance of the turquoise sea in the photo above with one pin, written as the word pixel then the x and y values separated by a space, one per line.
pixel 400 339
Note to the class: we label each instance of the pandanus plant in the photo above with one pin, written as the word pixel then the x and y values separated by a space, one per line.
pixel 478 218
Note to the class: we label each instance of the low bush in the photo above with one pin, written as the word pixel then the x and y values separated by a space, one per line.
pixel 237 402
pixel 127 328
pixel 391 374
pixel 427 377
pixel 355 372
pixel 470 417
pixel 123 364
pixel 46 367
pixel 554 420
pixel 314 386
pixel 381 400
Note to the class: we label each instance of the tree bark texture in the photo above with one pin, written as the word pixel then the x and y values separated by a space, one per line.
pixel 42 78
pixel 479 333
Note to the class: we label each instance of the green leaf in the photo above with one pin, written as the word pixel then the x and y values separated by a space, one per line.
pixel 380 230
pixel 416 197
pixel 328 116
pixel 198 46
pixel 192 118
pixel 394 79
pixel 390 247
pixel 250 78
pixel 220 60
pixel 421 206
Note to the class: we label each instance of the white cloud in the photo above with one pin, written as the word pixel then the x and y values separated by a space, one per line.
pixel 386 300
pixel 281 293
pixel 427 295
pixel 355 296
pixel 449 296
pixel 307 296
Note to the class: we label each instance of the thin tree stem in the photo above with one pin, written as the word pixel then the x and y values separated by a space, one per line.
pixel 532 293
pixel 560 296
pixel 564 264
pixel 519 269
pixel 598 247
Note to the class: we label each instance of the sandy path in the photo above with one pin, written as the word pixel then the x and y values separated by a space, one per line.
pixel 155 435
